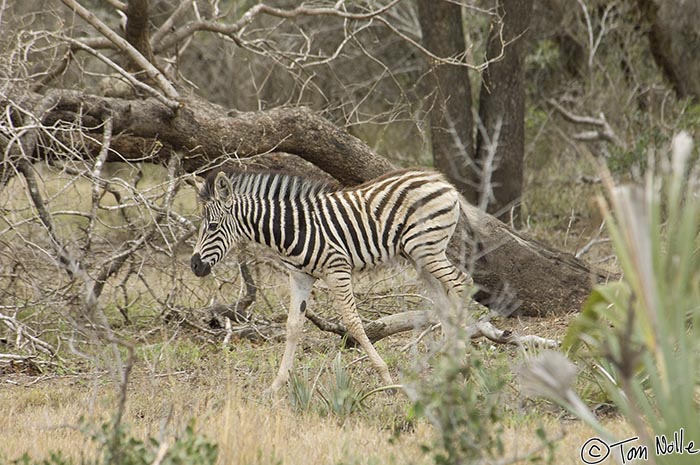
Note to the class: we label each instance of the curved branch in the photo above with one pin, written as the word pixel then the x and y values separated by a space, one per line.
pixel 231 30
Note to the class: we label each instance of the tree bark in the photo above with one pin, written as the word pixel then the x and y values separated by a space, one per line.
pixel 449 96
pixel 674 34
pixel 137 31
pixel 501 137
pixel 512 271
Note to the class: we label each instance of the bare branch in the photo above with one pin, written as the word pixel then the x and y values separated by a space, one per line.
pixel 419 320
pixel 98 184
pixel 231 30
pixel 604 132
pixel 122 72
pixel 53 73
pixel 22 331
pixel 121 6
pixel 169 23
pixel 487 330
pixel 123 45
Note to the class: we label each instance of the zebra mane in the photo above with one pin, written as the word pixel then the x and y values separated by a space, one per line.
pixel 265 184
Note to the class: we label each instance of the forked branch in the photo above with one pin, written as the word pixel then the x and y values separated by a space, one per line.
pixel 603 130
pixel 129 50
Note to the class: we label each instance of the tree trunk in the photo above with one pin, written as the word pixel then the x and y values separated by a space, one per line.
pixel 449 95
pixel 674 41
pixel 513 272
pixel 501 135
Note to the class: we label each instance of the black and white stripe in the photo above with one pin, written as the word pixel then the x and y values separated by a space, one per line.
pixel 319 232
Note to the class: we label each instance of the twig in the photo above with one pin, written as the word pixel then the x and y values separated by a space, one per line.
pixel 604 132
pixel 420 337
pixel 98 183
pixel 231 30
pixel 594 240
pixel 169 23
pixel 122 72
pixel 121 43
pixel 121 6
pixel 450 61
pixel 26 145
pixel 53 73
pixel 489 164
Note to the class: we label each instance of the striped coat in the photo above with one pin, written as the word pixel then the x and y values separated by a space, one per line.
pixel 319 232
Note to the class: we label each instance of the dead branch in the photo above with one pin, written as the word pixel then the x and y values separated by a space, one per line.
pixel 419 320
pixel 603 132
pixel 169 24
pixel 25 336
pixel 163 41
pixel 125 47
pixel 22 149
pixel 487 330
pixel 79 45
pixel 232 30
pixel 53 73
pixel 98 185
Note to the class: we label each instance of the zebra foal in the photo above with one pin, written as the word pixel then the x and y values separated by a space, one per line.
pixel 324 233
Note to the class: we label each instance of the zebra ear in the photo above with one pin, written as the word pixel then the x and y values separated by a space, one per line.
pixel 222 187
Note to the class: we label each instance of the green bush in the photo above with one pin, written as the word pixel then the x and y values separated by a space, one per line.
pixel 462 400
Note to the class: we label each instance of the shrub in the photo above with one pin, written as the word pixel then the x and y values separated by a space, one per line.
pixel 116 447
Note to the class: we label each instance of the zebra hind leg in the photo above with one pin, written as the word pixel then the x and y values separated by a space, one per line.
pixel 447 283
pixel 341 286
pixel 300 285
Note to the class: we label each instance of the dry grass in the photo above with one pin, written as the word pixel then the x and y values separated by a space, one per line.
pixel 247 430
pixel 221 390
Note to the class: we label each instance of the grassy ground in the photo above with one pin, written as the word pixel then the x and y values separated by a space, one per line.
pixel 179 376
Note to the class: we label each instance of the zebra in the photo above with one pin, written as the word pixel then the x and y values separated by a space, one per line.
pixel 319 232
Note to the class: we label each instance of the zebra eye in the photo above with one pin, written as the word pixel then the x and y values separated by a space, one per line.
pixel 212 226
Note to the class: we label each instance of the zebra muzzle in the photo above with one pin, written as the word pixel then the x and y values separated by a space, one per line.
pixel 199 267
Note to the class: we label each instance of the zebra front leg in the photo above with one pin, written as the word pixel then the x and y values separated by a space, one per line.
pixel 300 285
pixel 341 285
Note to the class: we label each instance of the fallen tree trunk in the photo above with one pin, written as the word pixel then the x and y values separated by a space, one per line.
pixel 513 272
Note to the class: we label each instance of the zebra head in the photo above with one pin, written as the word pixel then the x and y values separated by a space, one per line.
pixel 217 232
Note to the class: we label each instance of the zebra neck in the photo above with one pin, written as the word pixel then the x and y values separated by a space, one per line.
pixel 278 223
